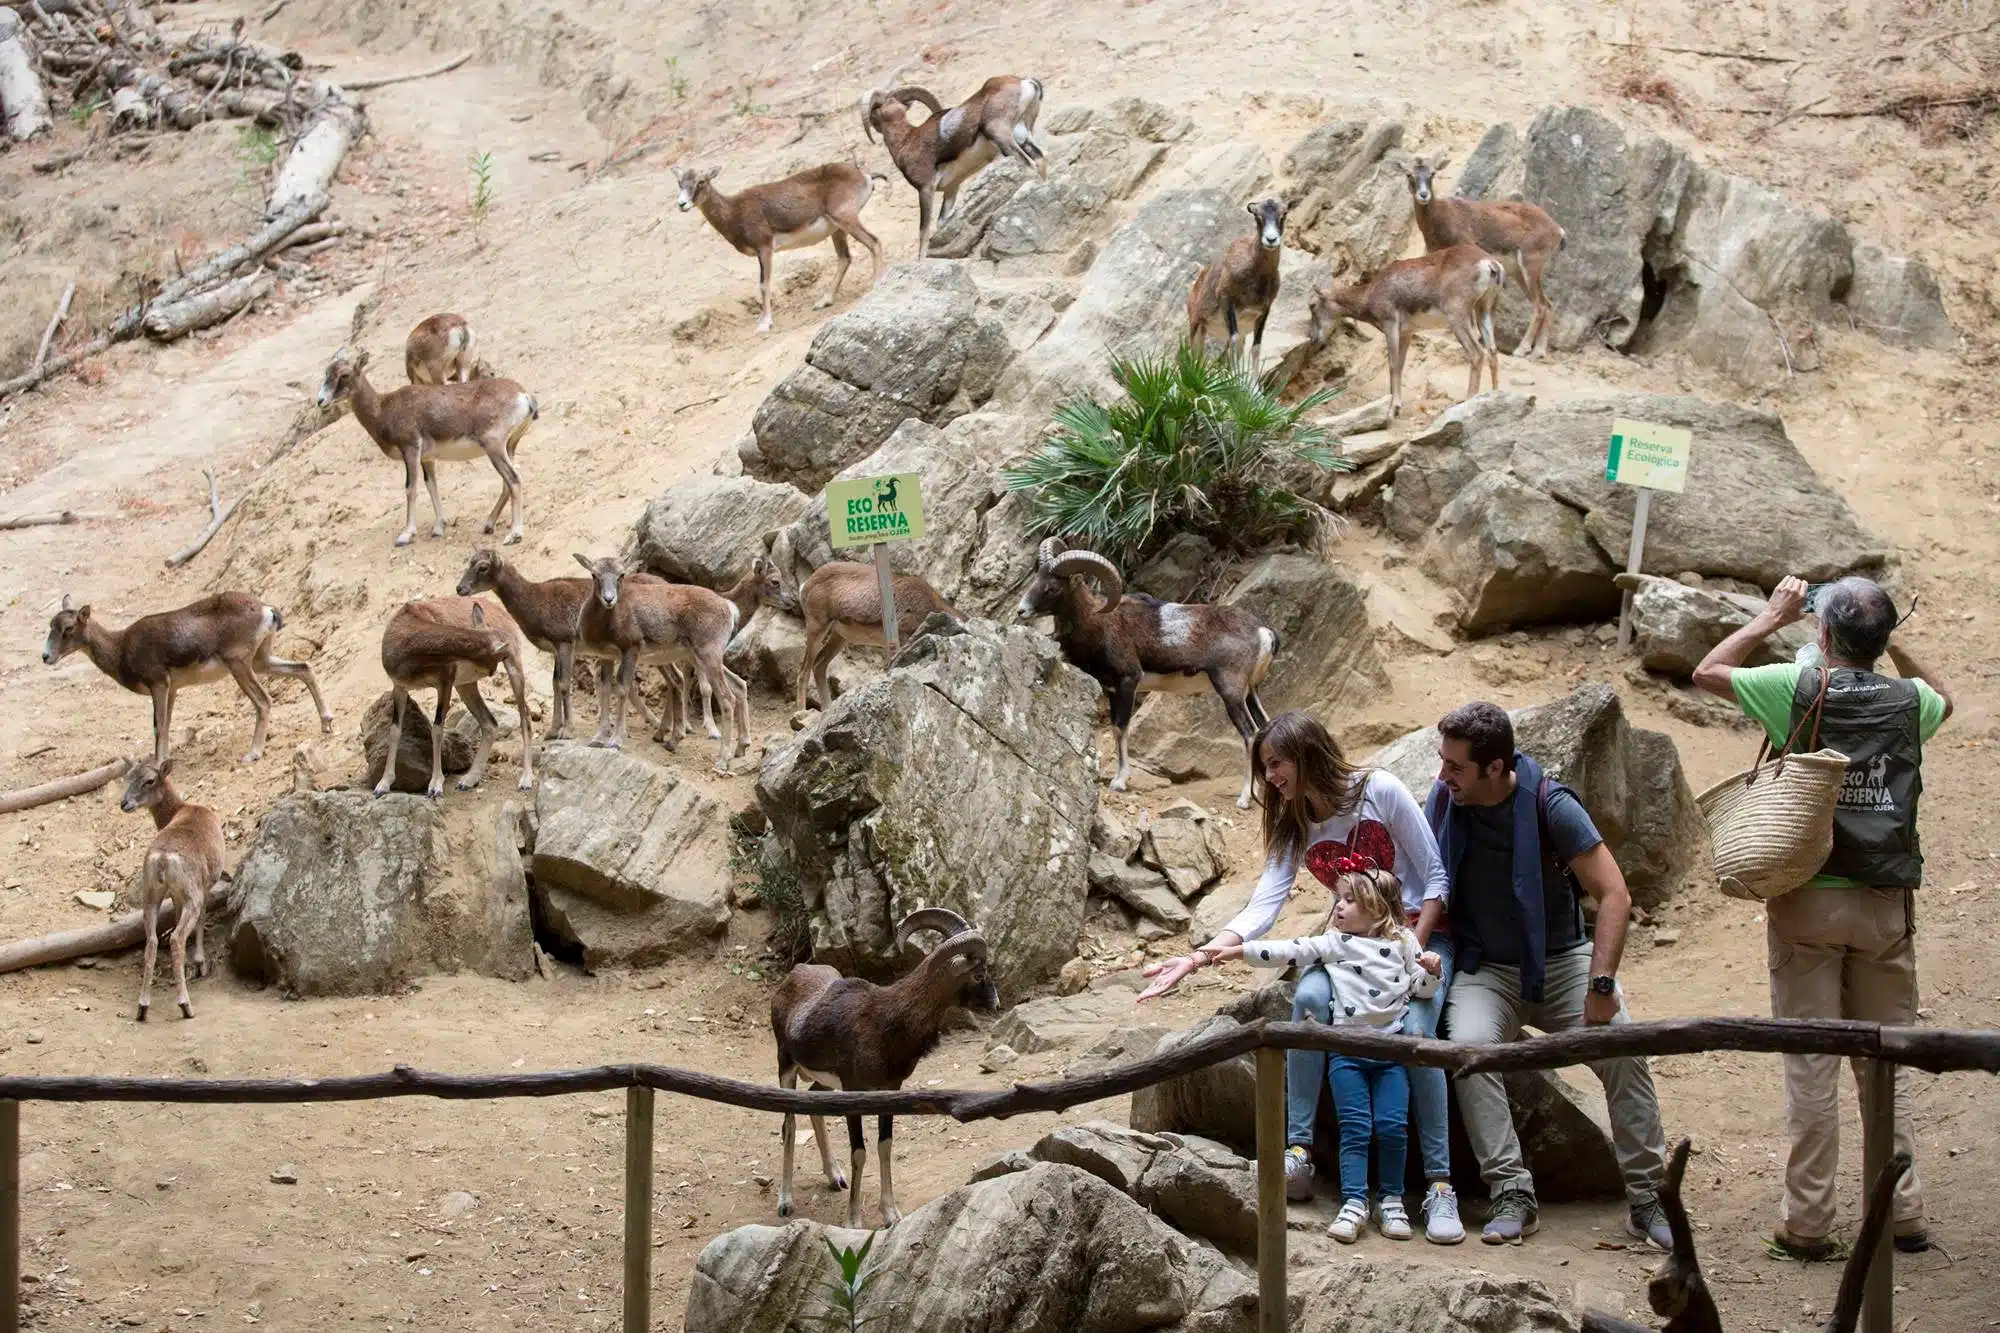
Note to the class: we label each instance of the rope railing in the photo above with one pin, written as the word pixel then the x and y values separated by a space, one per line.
pixel 1935 1049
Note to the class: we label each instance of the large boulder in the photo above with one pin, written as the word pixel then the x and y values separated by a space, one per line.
pixel 631 837
pixel 1754 509
pixel 1006 211
pixel 917 345
pixel 706 529
pixel 1629 780
pixel 413 749
pixel 343 893
pixel 1220 1101
pixel 1199 1186
pixel 964 778
pixel 1055 1021
pixel 1355 209
pixel 1661 252
pixel 1369 1296
pixel 1051 1249
pixel 1675 625
pixel 1326 665
pixel 1132 302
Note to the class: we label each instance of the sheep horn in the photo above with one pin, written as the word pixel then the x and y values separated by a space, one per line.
pixel 1089 564
pixel 941 919
pixel 869 100
pixel 968 942
pixel 1050 549
pixel 921 96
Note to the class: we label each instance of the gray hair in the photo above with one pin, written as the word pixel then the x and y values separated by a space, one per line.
pixel 1859 618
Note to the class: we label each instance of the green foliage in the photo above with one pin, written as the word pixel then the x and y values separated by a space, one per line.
pixel 791 920
pixel 676 81
pixel 746 104
pixel 482 186
pixel 1196 444
pixel 847 1292
pixel 81 112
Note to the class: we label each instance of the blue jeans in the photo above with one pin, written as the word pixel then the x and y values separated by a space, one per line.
pixel 1429 1095
pixel 1373 1098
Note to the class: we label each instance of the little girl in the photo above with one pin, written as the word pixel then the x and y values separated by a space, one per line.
pixel 1376 969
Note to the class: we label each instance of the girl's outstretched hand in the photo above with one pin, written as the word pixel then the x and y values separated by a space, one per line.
pixel 1430 963
pixel 1165 976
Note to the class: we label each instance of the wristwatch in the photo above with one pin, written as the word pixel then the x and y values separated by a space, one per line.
pixel 1604 984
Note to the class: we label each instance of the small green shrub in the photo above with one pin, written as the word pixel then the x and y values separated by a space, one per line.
pixel 482 186
pixel 847 1294
pixel 1195 444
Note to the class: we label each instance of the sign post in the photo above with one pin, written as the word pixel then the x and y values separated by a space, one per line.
pixel 1651 458
pixel 874 511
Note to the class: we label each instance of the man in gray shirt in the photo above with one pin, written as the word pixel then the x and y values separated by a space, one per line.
pixel 1516 848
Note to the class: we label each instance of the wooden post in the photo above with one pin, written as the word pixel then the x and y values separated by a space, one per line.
pixel 638 1210
pixel 1634 554
pixel 10 1217
pixel 1878 1144
pixel 887 576
pixel 1271 1211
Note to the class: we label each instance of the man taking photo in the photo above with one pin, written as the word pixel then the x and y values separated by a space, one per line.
pixel 1844 945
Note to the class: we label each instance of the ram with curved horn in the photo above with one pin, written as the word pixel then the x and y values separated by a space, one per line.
pixel 843 1033
pixel 939 154
pixel 1131 643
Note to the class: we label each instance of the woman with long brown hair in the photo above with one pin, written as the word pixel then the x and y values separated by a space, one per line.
pixel 1319 809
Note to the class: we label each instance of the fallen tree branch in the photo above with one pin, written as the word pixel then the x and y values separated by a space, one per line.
pixel 1715 52
pixel 61 789
pixel 358 85
pixel 310 167
pixel 177 319
pixel 61 160
pixel 49 334
pixel 128 325
pixel 218 516
pixel 64 519
pixel 127 932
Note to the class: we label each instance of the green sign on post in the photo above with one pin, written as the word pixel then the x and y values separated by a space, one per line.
pixel 871 510
pixel 1652 458
pixel 874 511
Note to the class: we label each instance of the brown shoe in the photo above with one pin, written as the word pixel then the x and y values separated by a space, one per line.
pixel 1814 1251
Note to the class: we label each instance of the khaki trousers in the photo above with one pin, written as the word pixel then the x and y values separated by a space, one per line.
pixel 1839 953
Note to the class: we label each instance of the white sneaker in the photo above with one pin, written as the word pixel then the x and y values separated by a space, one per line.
pixel 1346 1228
pixel 1395 1223
pixel 1441 1224
pixel 1298 1174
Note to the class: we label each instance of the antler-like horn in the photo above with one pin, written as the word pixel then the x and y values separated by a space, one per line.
pixel 1045 557
pixel 869 101
pixel 921 96
pixel 941 919
pixel 1091 565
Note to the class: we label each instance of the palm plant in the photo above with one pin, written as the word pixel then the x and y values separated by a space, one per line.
pixel 848 1291
pixel 1196 444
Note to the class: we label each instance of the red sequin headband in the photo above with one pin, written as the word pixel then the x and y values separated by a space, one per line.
pixel 1354 865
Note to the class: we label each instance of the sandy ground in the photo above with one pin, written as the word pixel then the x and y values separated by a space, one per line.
pixel 634 326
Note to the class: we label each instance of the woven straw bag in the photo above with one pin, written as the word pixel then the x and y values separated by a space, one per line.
pixel 1771 828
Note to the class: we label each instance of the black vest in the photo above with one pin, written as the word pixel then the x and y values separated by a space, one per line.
pixel 1874 721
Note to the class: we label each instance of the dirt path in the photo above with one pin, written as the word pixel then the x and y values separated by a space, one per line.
pixel 634 326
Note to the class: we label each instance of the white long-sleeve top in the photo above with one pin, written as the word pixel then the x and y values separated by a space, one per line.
pixel 1387 824
pixel 1374 978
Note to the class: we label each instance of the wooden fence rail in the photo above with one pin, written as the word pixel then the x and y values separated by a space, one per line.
pixel 1935 1049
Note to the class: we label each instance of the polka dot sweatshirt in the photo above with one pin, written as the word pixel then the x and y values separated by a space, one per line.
pixel 1373 978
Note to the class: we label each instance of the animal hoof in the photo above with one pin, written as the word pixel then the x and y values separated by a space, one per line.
pixel 326 724
pixel 784 1208
pixel 764 326
pixel 142 1013
pixel 187 1011
pixel 513 538
pixel 839 1180
pixel 463 785
pixel 380 791
pixel 891 1216
pixel 527 782
pixel 252 757
pixel 488 527
pixel 435 791
pixel 405 539
pixel 823 303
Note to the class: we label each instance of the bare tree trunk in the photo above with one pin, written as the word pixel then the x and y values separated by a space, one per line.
pixel 310 168
pixel 177 319
pixel 21 95
pixel 62 788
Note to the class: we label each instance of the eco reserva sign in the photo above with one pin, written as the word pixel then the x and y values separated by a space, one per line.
pixel 868 510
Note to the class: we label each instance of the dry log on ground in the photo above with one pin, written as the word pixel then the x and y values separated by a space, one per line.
pixel 21 95
pixel 20 521
pixel 357 85
pixel 315 158
pixel 176 319
pixel 127 932
pixel 128 325
pixel 62 788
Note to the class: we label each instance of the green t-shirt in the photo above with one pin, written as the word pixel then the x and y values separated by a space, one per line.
pixel 1765 694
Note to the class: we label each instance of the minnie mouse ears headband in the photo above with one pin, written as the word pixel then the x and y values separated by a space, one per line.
pixel 1355 865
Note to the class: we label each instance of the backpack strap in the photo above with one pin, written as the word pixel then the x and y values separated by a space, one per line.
pixel 1542 820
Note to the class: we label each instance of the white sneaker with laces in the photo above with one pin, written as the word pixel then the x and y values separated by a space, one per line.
pixel 1395 1223
pixel 1346 1228
pixel 1298 1174
pixel 1441 1224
